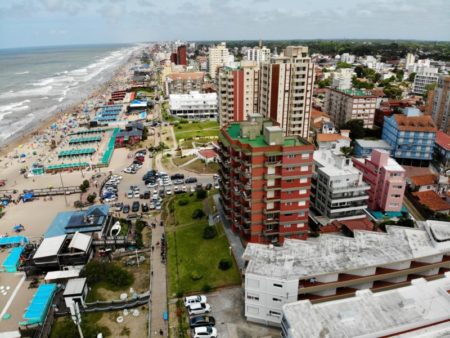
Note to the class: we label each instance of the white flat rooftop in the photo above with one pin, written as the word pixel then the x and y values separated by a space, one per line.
pixel 80 242
pixel 328 254
pixel 49 247
pixel 373 314
pixel 377 144
pixel 74 286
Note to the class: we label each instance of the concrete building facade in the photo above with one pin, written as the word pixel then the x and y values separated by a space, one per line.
pixel 218 56
pixel 195 106
pixel 386 179
pixel 265 180
pixel 424 77
pixel 351 104
pixel 287 89
pixel 441 103
pixel 238 92
pixel 183 83
pixel 258 54
pixel 338 191
pixel 333 267
pixel 342 79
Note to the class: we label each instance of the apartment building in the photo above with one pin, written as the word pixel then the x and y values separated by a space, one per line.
pixel 265 180
pixel 364 148
pixel 183 83
pixel 342 79
pixel 182 55
pixel 411 137
pixel 386 179
pixel 424 77
pixel 238 90
pixel 338 191
pixel 286 90
pixel 195 105
pixel 441 103
pixel 332 267
pixel 351 104
pixel 400 313
pixel 218 56
pixel 258 54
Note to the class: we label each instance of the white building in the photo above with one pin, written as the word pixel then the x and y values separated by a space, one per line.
pixel 334 266
pixel 424 77
pixel 350 104
pixel 388 313
pixel 342 78
pixel 287 88
pixel 218 56
pixel 348 58
pixel 194 105
pixel 338 191
pixel 410 60
pixel 258 54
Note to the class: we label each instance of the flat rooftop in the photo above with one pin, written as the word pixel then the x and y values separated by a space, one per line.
pixel 355 92
pixel 234 131
pixel 373 314
pixel 329 254
pixel 380 144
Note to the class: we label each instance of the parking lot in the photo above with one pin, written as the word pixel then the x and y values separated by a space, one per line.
pixel 227 307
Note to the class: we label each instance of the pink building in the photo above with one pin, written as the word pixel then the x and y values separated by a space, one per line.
pixel 386 179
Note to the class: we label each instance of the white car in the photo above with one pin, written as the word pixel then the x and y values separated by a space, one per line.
pixel 192 189
pixel 198 309
pixel 195 299
pixel 152 185
pixel 169 192
pixel 204 332
pixel 110 199
pixel 130 194
pixel 136 194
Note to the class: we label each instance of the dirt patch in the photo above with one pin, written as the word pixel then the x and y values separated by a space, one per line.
pixel 130 327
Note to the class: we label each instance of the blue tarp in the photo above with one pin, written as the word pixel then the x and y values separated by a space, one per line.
pixel 12 261
pixel 38 308
pixel 13 240
pixel 27 196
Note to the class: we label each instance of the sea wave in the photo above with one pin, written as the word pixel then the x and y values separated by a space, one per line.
pixel 44 82
pixel 13 106
pixel 22 73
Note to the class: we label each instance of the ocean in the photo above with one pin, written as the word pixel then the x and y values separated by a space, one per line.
pixel 37 82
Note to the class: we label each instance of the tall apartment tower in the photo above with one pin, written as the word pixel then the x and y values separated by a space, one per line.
pixel 258 54
pixel 238 92
pixel 441 103
pixel 182 55
pixel 286 90
pixel 218 56
pixel 265 180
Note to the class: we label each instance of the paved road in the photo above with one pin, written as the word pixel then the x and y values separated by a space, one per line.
pixel 412 210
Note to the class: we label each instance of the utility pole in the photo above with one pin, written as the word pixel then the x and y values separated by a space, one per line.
pixel 76 317
pixel 62 185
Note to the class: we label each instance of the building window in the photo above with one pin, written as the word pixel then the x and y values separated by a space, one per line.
pixel 305 156
pixel 292 156
pixel 290 169
pixel 274 314
pixel 304 180
pixel 302 191
pixel 253 297
pixel 277 300
pixel 278 285
pixel 300 225
pixel 302 203
pixel 289 181
pixel 253 310
pixel 304 168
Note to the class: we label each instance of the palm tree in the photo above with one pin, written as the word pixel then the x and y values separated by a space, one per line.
pixel 347 151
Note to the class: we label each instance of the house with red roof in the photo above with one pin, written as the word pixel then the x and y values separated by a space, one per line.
pixel 441 158
pixel 208 155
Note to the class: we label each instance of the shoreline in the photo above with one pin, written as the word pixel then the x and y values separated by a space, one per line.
pixel 26 136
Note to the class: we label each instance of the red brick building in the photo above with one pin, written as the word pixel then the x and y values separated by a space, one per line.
pixel 265 180
pixel 182 56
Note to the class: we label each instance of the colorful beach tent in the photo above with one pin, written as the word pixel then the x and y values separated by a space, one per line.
pixel 12 261
pixel 13 240
pixel 36 312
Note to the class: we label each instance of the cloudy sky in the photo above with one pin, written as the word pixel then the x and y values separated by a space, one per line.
pixel 62 22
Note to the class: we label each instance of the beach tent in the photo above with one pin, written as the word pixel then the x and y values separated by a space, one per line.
pixel 27 196
pixel 12 261
pixel 18 228
pixel 37 311
pixel 6 241
pixel 53 126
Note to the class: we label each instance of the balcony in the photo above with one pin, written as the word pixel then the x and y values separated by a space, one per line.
pixel 267 221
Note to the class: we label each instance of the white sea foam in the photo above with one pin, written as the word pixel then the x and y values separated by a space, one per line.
pixel 44 82
pixel 23 73
pixel 41 91
pixel 13 106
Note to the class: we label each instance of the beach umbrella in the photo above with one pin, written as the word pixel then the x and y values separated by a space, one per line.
pixel 23 155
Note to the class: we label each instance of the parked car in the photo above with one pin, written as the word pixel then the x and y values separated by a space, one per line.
pixel 135 206
pixel 130 194
pixel 202 321
pixel 147 195
pixel 126 209
pixel 177 177
pixel 204 332
pixel 194 299
pixel 144 207
pixel 190 180
pixel 198 309
pixel 208 186
pixel 118 206
pixel 152 184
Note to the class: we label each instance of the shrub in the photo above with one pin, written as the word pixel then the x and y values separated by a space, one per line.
pixel 86 183
pixel 83 188
pixel 196 276
pixel 114 275
pixel 78 204
pixel 209 232
pixel 91 198
pixel 206 288
pixel 201 194
pixel 198 213
pixel 183 201
pixel 225 264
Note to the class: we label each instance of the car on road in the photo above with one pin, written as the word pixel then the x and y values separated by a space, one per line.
pixel 190 180
pixel 135 206
pixel 198 309
pixel 201 321
pixel 126 209
pixel 195 299
pixel 204 332
pixel 177 177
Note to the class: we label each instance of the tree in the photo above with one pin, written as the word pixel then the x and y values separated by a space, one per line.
pixel 198 213
pixel 341 64
pixel 91 198
pixel 144 133
pixel 201 194
pixel 411 77
pixel 400 73
pixel 392 92
pixel 356 128
pixel 359 71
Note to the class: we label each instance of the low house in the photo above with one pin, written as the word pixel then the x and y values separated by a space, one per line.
pixel 423 182
pixel 132 134
pixel 363 148
pixel 432 201
pixel 75 292
pixel 208 155
pixel 441 158
pixel 333 141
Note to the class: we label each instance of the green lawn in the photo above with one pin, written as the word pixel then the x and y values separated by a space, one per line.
pixel 182 160
pixel 200 129
pixel 190 256
pixel 200 141
pixel 199 167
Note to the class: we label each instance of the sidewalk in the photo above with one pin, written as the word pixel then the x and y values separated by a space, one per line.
pixel 233 239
